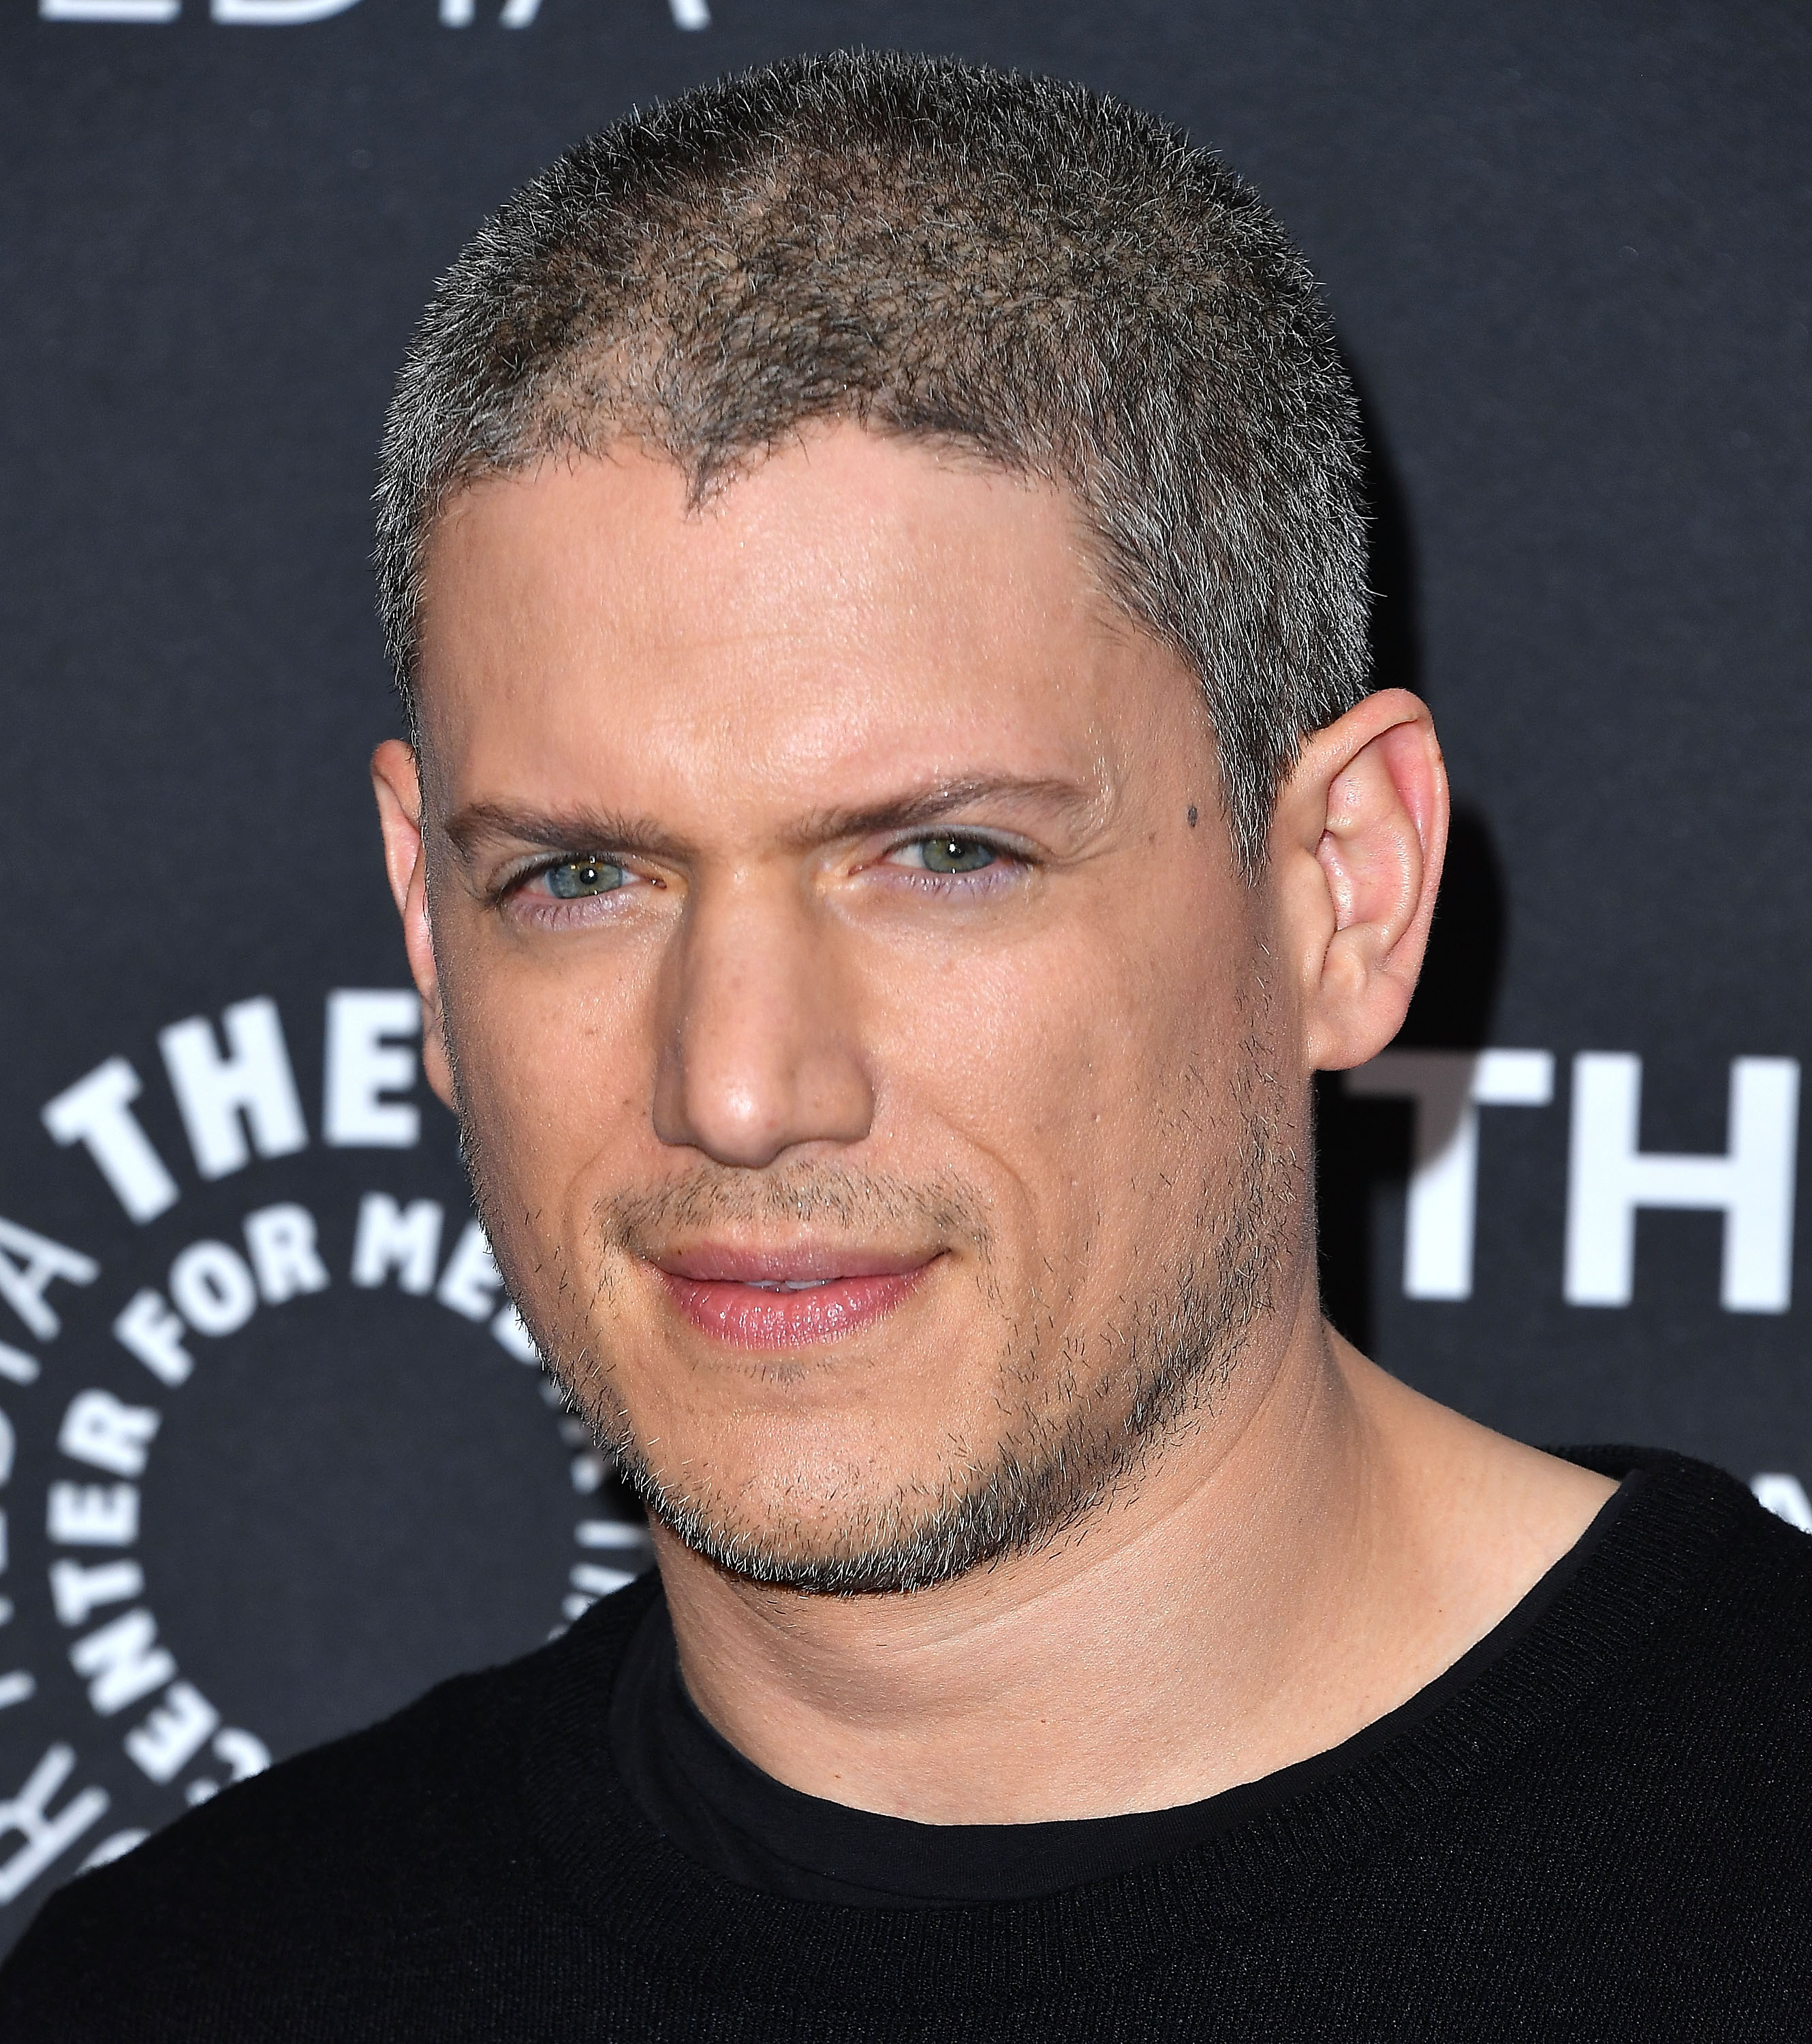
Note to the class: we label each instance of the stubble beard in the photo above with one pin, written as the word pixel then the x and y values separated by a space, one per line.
pixel 1089 1419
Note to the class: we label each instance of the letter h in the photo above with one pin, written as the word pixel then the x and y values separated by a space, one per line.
pixel 1751 1184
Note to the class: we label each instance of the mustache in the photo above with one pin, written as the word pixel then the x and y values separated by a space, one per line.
pixel 865 1205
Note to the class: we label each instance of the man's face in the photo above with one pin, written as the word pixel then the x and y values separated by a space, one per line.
pixel 858 1021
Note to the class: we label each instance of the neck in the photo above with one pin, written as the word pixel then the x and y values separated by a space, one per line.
pixel 1293 1566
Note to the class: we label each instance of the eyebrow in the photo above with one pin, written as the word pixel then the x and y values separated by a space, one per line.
pixel 931 804
pixel 479 825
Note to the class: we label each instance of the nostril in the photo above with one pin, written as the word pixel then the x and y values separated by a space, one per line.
pixel 746 1120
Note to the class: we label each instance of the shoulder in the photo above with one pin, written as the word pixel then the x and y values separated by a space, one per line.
pixel 1709 1598
pixel 1695 1544
pixel 381 1840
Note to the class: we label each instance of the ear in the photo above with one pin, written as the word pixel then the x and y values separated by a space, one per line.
pixel 396 780
pixel 1356 844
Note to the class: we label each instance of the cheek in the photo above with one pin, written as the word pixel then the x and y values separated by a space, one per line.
pixel 1092 1076
pixel 555 1086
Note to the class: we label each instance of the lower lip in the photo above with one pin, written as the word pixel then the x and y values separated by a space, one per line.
pixel 750 1317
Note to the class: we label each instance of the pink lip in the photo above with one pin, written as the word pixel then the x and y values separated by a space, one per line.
pixel 736 1294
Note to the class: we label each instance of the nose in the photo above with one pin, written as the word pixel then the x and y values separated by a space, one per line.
pixel 760 1045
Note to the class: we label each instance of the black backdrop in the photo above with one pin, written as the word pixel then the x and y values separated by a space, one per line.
pixel 1568 245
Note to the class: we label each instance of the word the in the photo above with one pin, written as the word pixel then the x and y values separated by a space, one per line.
pixel 1610 1177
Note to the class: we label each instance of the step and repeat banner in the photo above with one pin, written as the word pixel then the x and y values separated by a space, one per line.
pixel 274 1454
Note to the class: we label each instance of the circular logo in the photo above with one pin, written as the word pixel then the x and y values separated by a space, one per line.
pixel 276 1452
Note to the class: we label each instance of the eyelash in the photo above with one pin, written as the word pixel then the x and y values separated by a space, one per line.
pixel 1006 864
pixel 551 911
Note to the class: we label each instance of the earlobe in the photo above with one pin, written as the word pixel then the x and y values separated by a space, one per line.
pixel 1360 829
pixel 397 782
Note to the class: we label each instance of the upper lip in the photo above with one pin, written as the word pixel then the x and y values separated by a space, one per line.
pixel 799 1263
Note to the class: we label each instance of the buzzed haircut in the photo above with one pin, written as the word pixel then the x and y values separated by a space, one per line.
pixel 1025 268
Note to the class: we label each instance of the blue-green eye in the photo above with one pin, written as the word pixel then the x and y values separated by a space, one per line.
pixel 956 855
pixel 575 877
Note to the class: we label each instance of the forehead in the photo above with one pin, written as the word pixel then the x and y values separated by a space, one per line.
pixel 852 609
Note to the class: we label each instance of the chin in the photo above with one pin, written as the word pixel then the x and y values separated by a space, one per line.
pixel 882 1511
pixel 827 1516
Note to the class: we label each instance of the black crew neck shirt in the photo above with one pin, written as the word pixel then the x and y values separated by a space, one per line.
pixel 1597 1826
pixel 723 1811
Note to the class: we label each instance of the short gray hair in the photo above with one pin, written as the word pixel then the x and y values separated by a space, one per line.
pixel 939 251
